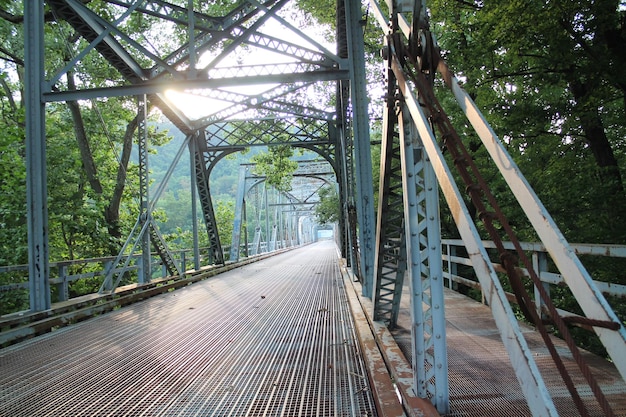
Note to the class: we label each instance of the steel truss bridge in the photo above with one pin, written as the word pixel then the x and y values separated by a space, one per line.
pixel 283 100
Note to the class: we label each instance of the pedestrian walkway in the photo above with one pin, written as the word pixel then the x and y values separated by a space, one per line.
pixel 273 338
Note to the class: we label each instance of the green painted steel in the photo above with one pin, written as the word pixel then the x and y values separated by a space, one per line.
pixel 36 174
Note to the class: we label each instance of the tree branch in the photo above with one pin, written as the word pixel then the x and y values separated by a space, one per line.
pixel 12 57
pixel 8 93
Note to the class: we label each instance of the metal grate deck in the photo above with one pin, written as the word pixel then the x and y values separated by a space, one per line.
pixel 482 380
pixel 274 338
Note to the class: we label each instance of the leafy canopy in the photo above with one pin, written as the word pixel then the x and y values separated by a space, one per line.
pixel 276 166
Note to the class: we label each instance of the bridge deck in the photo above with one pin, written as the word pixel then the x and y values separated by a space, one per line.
pixel 482 379
pixel 273 338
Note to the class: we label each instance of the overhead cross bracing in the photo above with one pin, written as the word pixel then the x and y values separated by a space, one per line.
pixel 185 66
pixel 255 78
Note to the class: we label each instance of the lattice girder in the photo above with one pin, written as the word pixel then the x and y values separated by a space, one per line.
pixel 268 132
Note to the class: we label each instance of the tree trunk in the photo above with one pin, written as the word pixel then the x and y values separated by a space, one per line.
pixel 610 177
pixel 81 138
pixel 112 212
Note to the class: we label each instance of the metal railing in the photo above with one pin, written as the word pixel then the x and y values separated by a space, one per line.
pixel 457 271
pixel 14 284
pixel 458 268
pixel 64 273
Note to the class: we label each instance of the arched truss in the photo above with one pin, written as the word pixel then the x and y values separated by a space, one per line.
pixel 287 91
pixel 218 140
pixel 300 200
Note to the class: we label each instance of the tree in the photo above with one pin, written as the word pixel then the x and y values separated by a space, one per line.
pixel 553 89
pixel 329 209
pixel 88 178
pixel 549 77
pixel 276 166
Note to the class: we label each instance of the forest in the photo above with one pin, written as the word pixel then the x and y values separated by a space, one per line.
pixel 553 88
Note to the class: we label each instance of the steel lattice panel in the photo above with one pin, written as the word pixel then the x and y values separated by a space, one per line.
pixel 273 338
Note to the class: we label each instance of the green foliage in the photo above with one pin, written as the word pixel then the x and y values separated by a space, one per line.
pixel 552 88
pixel 225 215
pixel 276 166
pixel 540 82
pixel 329 209
pixel 12 301
pixel 13 191
pixel 549 89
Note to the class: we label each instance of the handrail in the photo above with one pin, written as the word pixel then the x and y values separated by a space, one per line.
pixel 452 259
pixel 62 276
pixel 450 255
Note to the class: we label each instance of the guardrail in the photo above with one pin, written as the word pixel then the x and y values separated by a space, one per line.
pixel 15 287
pixel 66 276
pixel 458 268
pixel 457 271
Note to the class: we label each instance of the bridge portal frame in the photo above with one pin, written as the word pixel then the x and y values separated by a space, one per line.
pixel 204 31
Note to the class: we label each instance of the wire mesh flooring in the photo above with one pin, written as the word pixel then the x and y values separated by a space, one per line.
pixel 273 338
pixel 481 377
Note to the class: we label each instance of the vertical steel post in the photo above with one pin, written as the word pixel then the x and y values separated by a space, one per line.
pixel 531 381
pixel 267 218
pixel 191 35
pixel 183 261
pixel 278 215
pixel 425 268
pixel 390 262
pixel 452 268
pixel 36 176
pixel 144 198
pixel 540 264
pixel 194 201
pixel 239 214
pixel 63 286
pixel 363 158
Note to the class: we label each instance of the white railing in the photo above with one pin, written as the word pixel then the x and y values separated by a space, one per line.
pixel 458 268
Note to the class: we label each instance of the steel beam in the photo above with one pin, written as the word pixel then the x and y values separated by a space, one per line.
pixel 36 175
pixel 390 262
pixel 205 160
pixel 425 269
pixel 576 276
pixel 531 381
pixel 239 207
pixel 161 86
pixel 362 154
pixel 194 203
pixel 145 212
